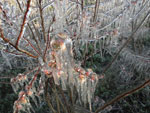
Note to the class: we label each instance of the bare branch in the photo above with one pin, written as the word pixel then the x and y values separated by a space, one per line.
pixel 146 83
pixel 23 23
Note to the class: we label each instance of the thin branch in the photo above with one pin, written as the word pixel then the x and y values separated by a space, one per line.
pixel 30 29
pixel 8 41
pixel 19 5
pixel 37 32
pixel 42 19
pixel 48 39
pixel 123 96
pixel 31 45
pixel 13 52
pixel 23 23
pixel 34 38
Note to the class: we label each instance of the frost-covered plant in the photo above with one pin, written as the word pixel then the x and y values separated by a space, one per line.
pixel 49 32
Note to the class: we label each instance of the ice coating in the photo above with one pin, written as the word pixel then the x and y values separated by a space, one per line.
pixel 66 73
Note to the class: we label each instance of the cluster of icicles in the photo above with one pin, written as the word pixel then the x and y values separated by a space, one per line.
pixel 30 88
pixel 61 66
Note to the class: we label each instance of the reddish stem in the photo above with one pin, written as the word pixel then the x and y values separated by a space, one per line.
pixel 31 45
pixel 23 23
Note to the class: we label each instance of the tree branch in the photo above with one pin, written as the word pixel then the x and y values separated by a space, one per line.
pixel 23 23
pixel 123 96
pixel 8 41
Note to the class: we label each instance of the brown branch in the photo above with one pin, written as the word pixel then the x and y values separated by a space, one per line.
pixel 34 38
pixel 37 32
pixel 126 43
pixel 34 78
pixel 23 23
pixel 8 41
pixel 123 96
pixel 42 19
pixel 19 5
pixel 15 46
pixel 31 45
pixel 48 39
pixel 13 52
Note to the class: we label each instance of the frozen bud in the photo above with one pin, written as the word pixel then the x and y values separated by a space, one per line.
pixel 24 77
pixel 82 71
pixel 23 99
pixel 93 78
pixel 81 77
pixel 29 93
pixel 21 93
pixel 47 72
pixel 87 73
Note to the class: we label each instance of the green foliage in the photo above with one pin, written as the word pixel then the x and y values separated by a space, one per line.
pixel 7 95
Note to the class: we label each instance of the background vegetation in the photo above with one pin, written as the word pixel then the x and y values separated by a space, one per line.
pixel 130 69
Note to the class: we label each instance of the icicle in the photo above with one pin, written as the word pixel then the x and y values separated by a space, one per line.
pixel 14 87
pixel 89 99
pixel 6 59
pixel 56 77
pixel 63 83
pixel 41 61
